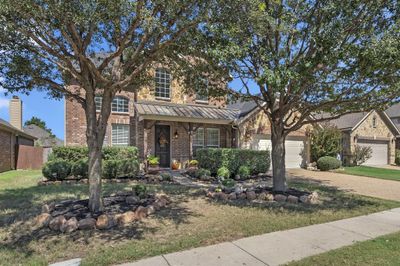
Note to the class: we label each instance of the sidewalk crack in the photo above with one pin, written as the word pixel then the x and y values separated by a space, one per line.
pixel 250 254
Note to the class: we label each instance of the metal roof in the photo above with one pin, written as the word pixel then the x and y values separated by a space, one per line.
pixel 196 112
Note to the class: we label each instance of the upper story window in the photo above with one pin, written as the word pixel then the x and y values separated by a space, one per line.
pixel 202 90
pixel 374 122
pixel 163 83
pixel 119 104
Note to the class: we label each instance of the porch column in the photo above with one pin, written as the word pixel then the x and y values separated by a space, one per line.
pixel 190 132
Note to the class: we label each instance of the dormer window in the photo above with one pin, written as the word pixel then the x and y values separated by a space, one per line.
pixel 202 90
pixel 118 105
pixel 374 122
pixel 163 83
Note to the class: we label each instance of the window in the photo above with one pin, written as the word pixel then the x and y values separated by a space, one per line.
pixel 374 122
pixel 212 137
pixel 198 138
pixel 120 135
pixel 163 83
pixel 120 105
pixel 202 90
pixel 98 100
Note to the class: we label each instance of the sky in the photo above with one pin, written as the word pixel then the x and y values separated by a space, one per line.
pixel 51 111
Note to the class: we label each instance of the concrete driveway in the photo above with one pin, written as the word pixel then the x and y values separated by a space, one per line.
pixel 374 187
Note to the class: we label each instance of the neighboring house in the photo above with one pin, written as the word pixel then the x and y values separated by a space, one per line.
pixel 11 136
pixel 368 129
pixel 171 124
pixel 44 138
pixel 394 113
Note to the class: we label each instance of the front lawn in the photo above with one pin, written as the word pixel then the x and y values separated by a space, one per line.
pixel 380 251
pixel 191 220
pixel 382 173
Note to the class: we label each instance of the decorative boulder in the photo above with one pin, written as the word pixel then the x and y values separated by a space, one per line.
pixel 69 226
pixel 251 195
pixel 56 223
pixel 292 199
pixel 141 212
pixel 132 200
pixel 126 218
pixel 104 222
pixel 242 196
pixel 150 210
pixel 221 196
pixel 262 196
pixel 232 196
pixel 269 197
pixel 304 199
pixel 43 220
pixel 87 224
pixel 280 198
pixel 314 197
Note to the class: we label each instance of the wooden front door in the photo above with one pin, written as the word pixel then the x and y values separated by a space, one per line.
pixel 163 144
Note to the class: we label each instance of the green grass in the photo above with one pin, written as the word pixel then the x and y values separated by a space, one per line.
pixel 190 221
pixel 382 173
pixel 380 251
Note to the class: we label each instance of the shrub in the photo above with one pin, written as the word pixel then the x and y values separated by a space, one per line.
pixel 325 141
pixel 361 154
pixel 120 153
pixel 327 163
pixel 214 158
pixel 193 163
pixel 199 173
pixel 397 159
pixel 140 190
pixel 228 182
pixel 166 177
pixel 153 160
pixel 110 169
pixel 80 168
pixel 70 154
pixel 223 172
pixel 244 172
pixel 128 168
pixel 57 169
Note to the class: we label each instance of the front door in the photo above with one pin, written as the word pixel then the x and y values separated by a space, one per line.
pixel 163 144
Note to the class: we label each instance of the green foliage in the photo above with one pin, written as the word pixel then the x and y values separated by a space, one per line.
pixel 40 123
pixel 110 169
pixel 327 163
pixel 120 168
pixel 80 168
pixel 57 170
pixel 223 172
pixel 120 153
pixel 153 160
pixel 244 172
pixel 397 159
pixel 228 182
pixel 325 141
pixel 166 177
pixel 361 154
pixel 140 190
pixel 193 163
pixel 70 154
pixel 201 172
pixel 214 158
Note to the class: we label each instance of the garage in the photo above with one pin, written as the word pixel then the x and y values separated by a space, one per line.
pixel 379 151
pixel 294 150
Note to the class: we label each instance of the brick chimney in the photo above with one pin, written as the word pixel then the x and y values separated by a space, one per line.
pixel 16 112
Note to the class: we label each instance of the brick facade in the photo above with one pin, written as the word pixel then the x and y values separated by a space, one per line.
pixel 7 154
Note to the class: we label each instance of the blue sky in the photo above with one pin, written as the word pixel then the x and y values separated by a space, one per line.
pixel 51 111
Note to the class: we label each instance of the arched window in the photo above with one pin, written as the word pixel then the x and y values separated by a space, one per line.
pixel 120 105
pixel 163 83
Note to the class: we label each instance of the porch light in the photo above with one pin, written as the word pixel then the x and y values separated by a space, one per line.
pixel 176 135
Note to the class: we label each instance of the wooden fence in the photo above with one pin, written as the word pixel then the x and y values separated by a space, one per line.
pixel 29 157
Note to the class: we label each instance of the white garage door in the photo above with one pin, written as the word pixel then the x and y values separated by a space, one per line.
pixel 379 152
pixel 294 150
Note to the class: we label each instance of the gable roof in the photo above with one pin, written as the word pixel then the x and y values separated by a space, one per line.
pixel 244 107
pixel 44 138
pixel 7 126
pixel 394 110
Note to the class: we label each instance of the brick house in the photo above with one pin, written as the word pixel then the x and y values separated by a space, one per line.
pixel 368 129
pixel 171 124
pixel 12 136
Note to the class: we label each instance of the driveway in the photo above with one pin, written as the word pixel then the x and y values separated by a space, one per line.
pixel 373 187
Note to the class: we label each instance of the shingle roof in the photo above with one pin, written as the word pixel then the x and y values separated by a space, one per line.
pixel 347 121
pixel 186 111
pixel 7 125
pixel 244 107
pixel 394 110
pixel 43 136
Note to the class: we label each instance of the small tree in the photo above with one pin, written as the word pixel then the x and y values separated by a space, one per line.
pixel 300 59
pixel 361 155
pixel 325 141
pixel 81 49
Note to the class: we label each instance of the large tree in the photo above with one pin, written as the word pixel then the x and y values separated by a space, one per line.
pixel 301 59
pixel 103 47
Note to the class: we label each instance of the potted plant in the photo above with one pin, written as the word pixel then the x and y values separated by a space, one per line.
pixel 193 164
pixel 175 165
pixel 153 163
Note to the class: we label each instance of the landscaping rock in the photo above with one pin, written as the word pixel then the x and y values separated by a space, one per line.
pixel 237 177
pixel 46 209
pixel 132 200
pixel 280 198
pixel 141 212
pixel 292 199
pixel 221 196
pixel 251 195
pixel 150 210
pixel 304 199
pixel 56 223
pixel 262 196
pixel 242 196
pixel 210 194
pixel 104 221
pixel 314 198
pixel 269 197
pixel 70 226
pixel 43 220
pixel 232 196
pixel 126 218
pixel 87 224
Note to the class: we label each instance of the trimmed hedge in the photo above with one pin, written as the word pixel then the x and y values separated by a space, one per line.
pixel 327 163
pixel 214 158
pixel 80 168
pixel 56 170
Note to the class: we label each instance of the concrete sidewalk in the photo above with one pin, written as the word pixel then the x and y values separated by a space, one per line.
pixel 284 246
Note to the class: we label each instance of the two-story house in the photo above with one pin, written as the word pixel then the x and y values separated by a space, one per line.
pixel 170 123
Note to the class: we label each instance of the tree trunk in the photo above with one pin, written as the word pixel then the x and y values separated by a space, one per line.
pixel 95 171
pixel 278 161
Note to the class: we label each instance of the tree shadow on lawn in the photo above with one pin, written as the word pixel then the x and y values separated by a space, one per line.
pixel 18 207
pixel 330 199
